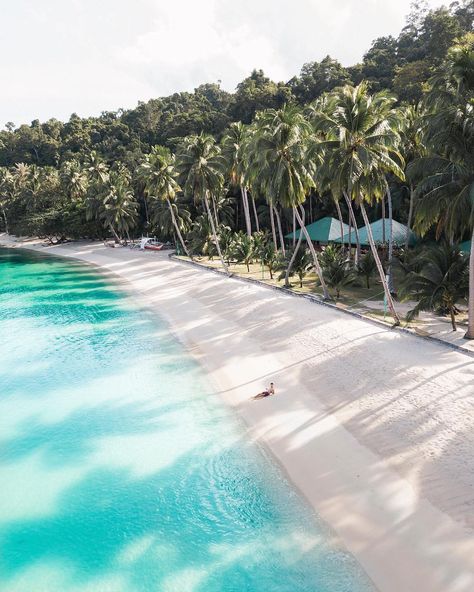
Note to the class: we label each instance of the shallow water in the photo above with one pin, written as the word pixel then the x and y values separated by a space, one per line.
pixel 120 469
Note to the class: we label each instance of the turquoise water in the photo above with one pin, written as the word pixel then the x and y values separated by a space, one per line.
pixel 120 470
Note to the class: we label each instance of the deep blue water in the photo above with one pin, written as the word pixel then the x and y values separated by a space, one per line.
pixel 120 469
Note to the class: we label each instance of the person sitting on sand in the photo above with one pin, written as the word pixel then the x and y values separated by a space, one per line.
pixel 267 392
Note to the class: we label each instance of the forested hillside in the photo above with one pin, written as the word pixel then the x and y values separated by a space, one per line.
pixel 402 64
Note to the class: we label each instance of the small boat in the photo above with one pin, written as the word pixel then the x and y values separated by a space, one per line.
pixel 150 244
pixel 153 247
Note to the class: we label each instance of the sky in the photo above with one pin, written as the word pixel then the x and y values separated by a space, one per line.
pixel 86 56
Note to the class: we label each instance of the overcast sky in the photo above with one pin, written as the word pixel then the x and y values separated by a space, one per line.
pixel 86 56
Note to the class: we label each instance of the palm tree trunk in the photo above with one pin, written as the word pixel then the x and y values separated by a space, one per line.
pixel 4 214
pixel 341 222
pixel 257 224
pixel 470 307
pixel 356 230
pixel 294 228
pixel 214 234
pixel 177 230
pixel 383 220
pixel 295 250
pixel 370 236
pixel 350 236
pixel 272 222
pixel 453 319
pixel 147 217
pixel 117 238
pixel 390 239
pixel 317 266
pixel 245 203
pixel 410 215
pixel 215 212
pixel 280 232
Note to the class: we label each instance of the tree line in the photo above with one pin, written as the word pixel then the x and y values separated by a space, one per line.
pixel 400 64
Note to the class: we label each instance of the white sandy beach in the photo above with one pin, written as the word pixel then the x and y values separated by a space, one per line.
pixel 375 427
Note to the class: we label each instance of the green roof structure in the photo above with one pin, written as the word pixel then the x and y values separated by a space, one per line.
pixel 325 230
pixel 399 234
pixel 465 247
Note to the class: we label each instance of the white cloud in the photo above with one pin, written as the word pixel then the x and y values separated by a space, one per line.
pixel 86 56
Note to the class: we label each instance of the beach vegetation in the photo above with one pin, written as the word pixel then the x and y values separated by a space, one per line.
pixel 337 268
pixel 438 283
pixel 243 248
pixel 300 266
pixel 367 267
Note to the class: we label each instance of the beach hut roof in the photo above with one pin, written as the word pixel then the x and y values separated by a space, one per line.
pixel 399 234
pixel 324 231
pixel 465 247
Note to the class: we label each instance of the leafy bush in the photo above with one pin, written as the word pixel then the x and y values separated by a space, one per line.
pixel 367 267
pixel 337 271
pixel 302 264
pixel 243 248
pixel 442 280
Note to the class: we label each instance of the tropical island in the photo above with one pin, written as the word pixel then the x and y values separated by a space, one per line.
pixel 346 190
pixel 230 175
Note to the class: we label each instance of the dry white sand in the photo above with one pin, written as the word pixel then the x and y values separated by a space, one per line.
pixel 375 427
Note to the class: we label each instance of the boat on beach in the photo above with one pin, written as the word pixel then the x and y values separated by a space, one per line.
pixel 153 247
pixel 150 244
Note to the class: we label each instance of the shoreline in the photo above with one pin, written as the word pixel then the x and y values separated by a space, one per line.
pixel 464 349
pixel 354 428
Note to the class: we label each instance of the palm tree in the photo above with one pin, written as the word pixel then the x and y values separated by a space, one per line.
pixel 412 146
pixel 201 236
pixel 360 148
pixel 199 166
pixel 21 173
pixel 74 180
pixel 119 207
pixel 233 152
pixel 162 218
pixel 243 249
pixel 26 185
pixel 341 221
pixel 440 282
pixel 321 148
pixel 113 203
pixel 280 230
pixel 159 176
pixel 269 257
pixel 96 168
pixel 294 254
pixel 446 188
pixel 367 189
pixel 98 174
pixel 6 193
pixel 224 206
pixel 301 264
pixel 278 155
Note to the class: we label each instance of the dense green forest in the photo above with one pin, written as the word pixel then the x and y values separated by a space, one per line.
pixel 402 65
pixel 214 170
